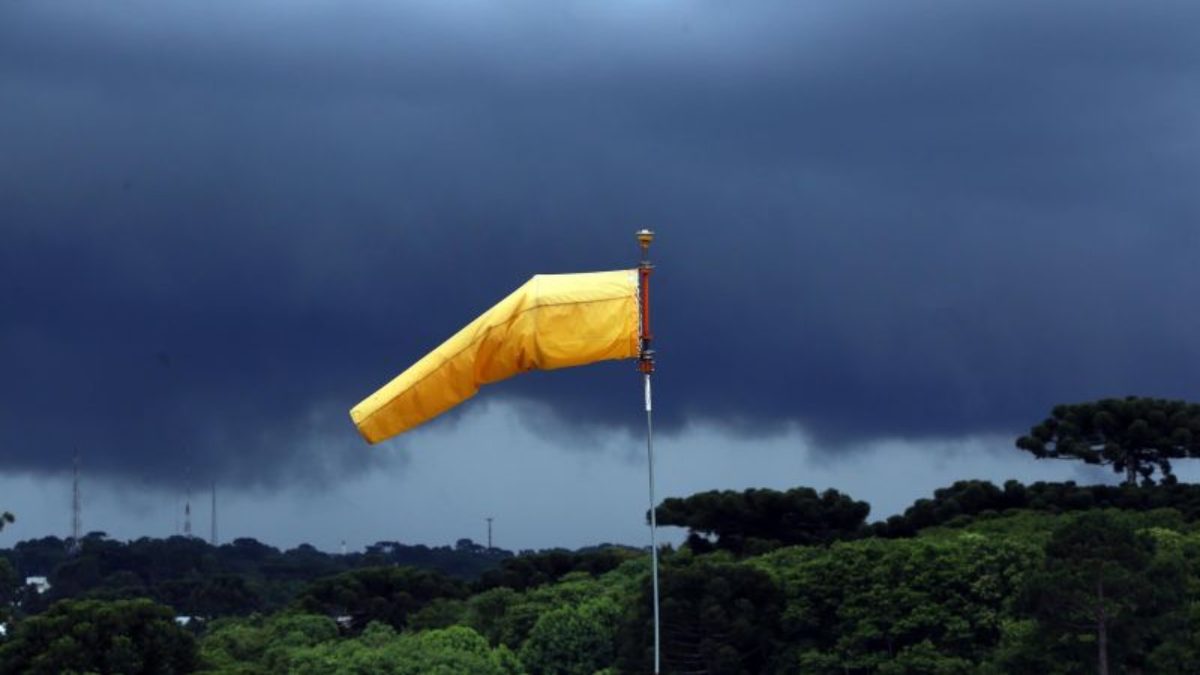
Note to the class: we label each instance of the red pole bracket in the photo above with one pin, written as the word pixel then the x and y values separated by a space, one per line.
pixel 646 357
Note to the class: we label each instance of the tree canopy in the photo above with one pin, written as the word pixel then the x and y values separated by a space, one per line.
pixel 920 605
pixel 389 595
pixel 1136 436
pixel 977 580
pixel 757 520
pixel 716 616
pixel 1101 596
pixel 196 578
pixel 534 569
pixel 125 636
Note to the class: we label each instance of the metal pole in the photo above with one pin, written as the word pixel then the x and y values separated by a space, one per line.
pixel 653 519
pixel 646 366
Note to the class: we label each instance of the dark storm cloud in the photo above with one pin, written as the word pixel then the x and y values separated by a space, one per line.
pixel 225 224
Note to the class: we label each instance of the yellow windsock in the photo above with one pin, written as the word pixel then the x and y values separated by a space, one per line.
pixel 552 321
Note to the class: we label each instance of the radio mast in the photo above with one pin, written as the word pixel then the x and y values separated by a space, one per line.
pixel 213 540
pixel 76 506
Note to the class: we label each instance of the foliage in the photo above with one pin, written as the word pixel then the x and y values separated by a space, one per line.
pixel 258 646
pixel 995 581
pixel 717 616
pixel 757 520
pixel 1179 651
pixel 236 578
pixel 535 569
pixel 301 643
pixel 439 613
pixel 10 587
pixel 507 617
pixel 573 640
pixel 1102 595
pixel 125 636
pixel 465 560
pixel 449 651
pixel 966 501
pixel 490 613
pixel 866 606
pixel 1134 435
pixel 947 603
pixel 386 594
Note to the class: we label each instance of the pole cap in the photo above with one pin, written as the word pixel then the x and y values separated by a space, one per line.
pixel 644 238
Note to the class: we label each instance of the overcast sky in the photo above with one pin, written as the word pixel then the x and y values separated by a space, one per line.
pixel 891 236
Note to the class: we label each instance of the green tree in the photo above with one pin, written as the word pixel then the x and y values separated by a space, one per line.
pixel 387 594
pixel 717 617
pixel 490 613
pixel 258 646
pixel 875 605
pixel 1101 596
pixel 506 617
pixel 1134 435
pixel 380 650
pixel 573 640
pixel 535 569
pixel 10 586
pixel 757 520
pixel 223 595
pixel 1179 652
pixel 440 613
pixel 126 636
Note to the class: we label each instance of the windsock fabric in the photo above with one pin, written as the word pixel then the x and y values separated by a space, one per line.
pixel 552 321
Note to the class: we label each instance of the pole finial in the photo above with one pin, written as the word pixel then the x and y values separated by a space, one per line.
pixel 645 237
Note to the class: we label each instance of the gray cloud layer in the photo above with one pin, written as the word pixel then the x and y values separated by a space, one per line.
pixel 225 223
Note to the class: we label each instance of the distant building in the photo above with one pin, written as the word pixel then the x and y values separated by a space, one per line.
pixel 40 584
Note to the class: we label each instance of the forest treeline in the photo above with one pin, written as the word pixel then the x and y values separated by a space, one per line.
pixel 978 578
pixel 247 576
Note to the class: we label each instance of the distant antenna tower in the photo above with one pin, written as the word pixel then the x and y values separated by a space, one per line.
pixel 489 519
pixel 76 506
pixel 187 512
pixel 213 539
